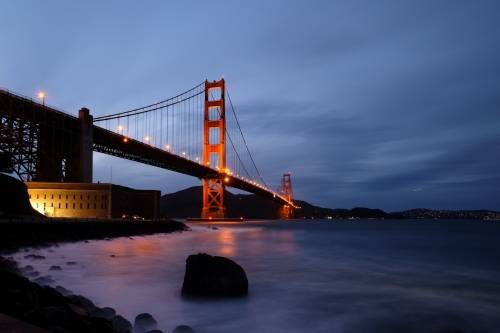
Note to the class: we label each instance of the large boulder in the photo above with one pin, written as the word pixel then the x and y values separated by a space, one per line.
pixel 183 329
pixel 144 322
pixel 212 276
pixel 15 201
pixel 121 325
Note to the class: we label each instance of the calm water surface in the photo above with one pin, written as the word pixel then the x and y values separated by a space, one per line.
pixel 363 276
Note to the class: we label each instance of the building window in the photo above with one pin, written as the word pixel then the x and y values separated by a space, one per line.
pixel 95 205
pixel 88 196
pixel 52 197
pixel 51 204
pixel 88 205
pixel 81 205
pixel 74 196
pixel 66 196
pixel 73 205
pixel 66 205
pixel 59 196
pixel 37 205
pixel 37 196
pixel 30 196
pixel 59 205
pixel 95 196
pixel 44 205
pixel 45 196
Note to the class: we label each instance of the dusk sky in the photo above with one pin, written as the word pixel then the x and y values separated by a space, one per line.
pixel 382 104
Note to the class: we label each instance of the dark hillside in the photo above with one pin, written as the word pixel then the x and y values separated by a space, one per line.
pixel 187 203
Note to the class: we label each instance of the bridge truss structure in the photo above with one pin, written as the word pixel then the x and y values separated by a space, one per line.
pixel 197 133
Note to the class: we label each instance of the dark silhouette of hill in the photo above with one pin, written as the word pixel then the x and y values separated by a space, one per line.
pixel 187 203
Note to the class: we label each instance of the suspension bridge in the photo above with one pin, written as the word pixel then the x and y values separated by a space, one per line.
pixel 196 132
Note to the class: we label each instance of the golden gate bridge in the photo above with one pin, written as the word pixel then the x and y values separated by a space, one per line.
pixel 196 132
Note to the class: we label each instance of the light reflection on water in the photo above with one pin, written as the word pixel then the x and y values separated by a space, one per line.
pixel 303 277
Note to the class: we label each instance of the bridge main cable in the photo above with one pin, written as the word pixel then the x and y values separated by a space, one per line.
pixel 147 108
pixel 244 140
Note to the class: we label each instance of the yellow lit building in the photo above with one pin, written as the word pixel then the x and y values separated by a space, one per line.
pixel 89 200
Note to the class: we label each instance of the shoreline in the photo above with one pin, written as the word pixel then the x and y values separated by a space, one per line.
pixel 19 234
pixel 52 309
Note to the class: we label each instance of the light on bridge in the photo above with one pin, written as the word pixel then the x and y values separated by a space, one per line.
pixel 146 138
pixel 226 179
pixel 167 147
pixel 125 139
pixel 41 95
pixel 120 128
pixel 184 153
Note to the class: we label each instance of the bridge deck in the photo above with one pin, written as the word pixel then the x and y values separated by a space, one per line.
pixel 111 143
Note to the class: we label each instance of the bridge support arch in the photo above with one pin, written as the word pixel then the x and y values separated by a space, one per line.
pixel 214 149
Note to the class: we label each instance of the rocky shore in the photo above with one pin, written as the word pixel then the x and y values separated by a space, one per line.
pixel 54 309
pixel 23 233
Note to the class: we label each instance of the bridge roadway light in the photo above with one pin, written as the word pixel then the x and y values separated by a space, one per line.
pixel 42 96
pixel 226 179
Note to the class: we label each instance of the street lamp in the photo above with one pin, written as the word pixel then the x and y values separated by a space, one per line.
pixel 42 96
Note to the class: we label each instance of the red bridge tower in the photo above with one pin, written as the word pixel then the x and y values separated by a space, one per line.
pixel 214 149
pixel 286 211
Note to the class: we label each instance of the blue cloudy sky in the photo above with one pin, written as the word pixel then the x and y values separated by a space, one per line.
pixel 390 104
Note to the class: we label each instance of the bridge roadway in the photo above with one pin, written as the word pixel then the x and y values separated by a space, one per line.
pixel 23 109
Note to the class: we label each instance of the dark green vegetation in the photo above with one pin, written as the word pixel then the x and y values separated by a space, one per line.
pixel 187 203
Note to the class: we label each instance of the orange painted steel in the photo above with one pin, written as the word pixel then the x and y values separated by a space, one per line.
pixel 213 188
pixel 287 211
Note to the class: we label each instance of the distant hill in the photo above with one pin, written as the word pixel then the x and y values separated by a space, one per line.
pixel 187 203
pixel 422 213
